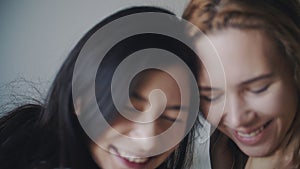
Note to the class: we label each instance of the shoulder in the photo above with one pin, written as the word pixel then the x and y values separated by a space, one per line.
pixel 20 136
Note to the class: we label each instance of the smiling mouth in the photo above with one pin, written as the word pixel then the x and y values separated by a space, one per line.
pixel 133 159
pixel 253 133
pixel 128 157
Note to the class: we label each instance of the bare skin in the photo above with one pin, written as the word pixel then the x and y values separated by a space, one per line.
pixel 260 98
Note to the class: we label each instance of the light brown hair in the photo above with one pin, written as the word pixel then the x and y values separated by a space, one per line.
pixel 280 19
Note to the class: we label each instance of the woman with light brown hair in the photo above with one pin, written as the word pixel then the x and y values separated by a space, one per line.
pixel 258 45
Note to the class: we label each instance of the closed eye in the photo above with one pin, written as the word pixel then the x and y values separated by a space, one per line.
pixel 210 99
pixel 171 119
pixel 210 94
pixel 260 90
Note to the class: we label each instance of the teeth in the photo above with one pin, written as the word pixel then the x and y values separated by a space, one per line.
pixel 133 158
pixel 252 134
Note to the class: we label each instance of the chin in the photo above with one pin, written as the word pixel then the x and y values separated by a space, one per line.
pixel 259 151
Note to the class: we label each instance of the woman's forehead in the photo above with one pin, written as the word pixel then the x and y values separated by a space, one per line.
pixel 242 55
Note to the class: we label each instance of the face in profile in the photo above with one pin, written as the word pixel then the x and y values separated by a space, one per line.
pixel 259 99
pixel 161 111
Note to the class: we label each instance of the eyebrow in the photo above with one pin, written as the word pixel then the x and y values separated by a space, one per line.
pixel 172 107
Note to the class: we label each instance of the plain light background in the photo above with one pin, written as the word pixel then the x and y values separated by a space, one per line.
pixel 37 35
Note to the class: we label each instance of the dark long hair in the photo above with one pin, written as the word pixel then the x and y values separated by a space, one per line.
pixel 49 135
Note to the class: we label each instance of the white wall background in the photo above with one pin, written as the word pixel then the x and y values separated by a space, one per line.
pixel 37 35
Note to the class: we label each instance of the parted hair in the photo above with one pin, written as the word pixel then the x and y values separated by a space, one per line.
pixel 279 19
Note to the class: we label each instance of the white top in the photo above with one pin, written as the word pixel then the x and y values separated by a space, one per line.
pixel 201 159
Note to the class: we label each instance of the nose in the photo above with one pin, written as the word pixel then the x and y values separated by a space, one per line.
pixel 237 113
pixel 142 130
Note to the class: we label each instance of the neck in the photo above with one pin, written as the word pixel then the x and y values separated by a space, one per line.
pixel 262 162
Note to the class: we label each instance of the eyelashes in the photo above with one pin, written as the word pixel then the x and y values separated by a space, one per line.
pixel 260 90
pixel 164 116
pixel 256 91
pixel 210 99
pixel 167 118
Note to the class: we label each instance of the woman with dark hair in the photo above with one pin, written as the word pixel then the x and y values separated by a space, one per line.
pixel 57 133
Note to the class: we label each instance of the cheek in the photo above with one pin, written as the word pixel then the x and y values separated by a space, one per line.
pixel 277 103
pixel 166 154
pixel 98 154
pixel 212 112
pixel 111 134
pixel 204 107
pixel 270 105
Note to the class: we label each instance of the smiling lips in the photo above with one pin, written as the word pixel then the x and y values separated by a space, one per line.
pixel 131 161
pixel 252 137
pixel 252 134
pixel 132 158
